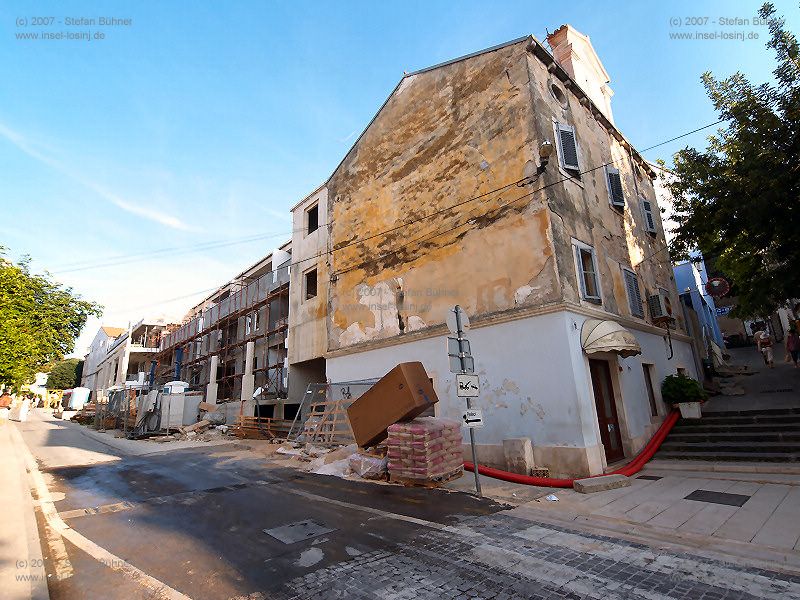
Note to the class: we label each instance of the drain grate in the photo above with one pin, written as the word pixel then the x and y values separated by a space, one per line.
pixel 718 497
pixel 778 391
pixel 298 532
pixel 649 477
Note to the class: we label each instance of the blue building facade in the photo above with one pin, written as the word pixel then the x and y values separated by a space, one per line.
pixel 691 278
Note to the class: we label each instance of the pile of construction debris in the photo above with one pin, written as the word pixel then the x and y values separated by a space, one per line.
pixel 345 461
pixel 380 436
pixel 392 442
pixel 203 431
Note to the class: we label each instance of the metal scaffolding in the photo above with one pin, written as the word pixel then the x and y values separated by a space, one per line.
pixel 258 312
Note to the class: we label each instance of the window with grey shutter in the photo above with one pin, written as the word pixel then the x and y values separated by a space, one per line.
pixel 649 220
pixel 615 194
pixel 634 295
pixel 568 147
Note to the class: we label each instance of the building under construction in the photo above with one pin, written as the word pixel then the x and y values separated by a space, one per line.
pixel 232 345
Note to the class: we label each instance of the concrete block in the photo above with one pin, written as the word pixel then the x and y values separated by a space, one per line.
pixel 518 454
pixel 600 484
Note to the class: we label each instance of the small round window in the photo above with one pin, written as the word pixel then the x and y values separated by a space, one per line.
pixel 558 94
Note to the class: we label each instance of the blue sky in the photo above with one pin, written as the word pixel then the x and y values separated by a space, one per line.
pixel 207 121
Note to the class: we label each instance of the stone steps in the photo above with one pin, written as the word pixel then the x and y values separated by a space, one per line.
pixel 735 436
pixel 714 419
pixel 771 435
pixel 701 427
pixel 730 456
pixel 739 448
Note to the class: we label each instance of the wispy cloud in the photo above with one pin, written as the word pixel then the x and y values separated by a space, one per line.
pixel 349 137
pixel 281 216
pixel 145 212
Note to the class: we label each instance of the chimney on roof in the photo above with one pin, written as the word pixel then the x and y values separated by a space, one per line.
pixel 574 52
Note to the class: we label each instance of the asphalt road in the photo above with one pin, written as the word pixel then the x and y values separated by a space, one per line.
pixel 195 518
pixel 190 523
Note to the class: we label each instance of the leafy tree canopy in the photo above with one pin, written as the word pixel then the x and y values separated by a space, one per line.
pixel 65 374
pixel 39 321
pixel 739 201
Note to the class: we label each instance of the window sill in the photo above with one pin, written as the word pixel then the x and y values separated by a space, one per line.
pixel 573 176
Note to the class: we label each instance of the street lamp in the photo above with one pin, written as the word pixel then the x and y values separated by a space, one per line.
pixel 545 150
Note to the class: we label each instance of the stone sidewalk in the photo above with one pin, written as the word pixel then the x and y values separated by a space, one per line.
pixel 657 501
pixel 22 573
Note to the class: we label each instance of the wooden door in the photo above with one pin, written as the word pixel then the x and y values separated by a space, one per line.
pixel 606 410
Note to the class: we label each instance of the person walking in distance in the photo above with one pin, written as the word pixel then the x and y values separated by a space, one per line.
pixel 793 345
pixel 764 345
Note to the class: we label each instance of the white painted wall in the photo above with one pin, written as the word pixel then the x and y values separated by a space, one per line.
pixel 534 376
pixel 528 384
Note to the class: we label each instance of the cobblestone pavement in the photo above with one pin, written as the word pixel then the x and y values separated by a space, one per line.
pixel 502 557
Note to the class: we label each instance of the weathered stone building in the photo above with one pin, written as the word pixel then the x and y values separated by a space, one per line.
pixel 444 199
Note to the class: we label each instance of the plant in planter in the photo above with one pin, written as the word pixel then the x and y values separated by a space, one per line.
pixel 684 391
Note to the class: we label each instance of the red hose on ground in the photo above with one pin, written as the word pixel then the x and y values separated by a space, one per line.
pixel 632 467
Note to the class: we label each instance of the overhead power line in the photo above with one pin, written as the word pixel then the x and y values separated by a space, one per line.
pixel 446 209
pixel 172 252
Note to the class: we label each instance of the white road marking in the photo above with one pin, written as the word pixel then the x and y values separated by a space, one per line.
pixel 56 525
pixel 382 513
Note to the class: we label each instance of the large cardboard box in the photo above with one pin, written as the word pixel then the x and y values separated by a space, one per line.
pixel 402 394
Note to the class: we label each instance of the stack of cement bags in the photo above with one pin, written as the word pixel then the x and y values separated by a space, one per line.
pixel 425 450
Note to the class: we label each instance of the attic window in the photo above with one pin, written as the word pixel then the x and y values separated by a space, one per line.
pixel 312 219
pixel 558 94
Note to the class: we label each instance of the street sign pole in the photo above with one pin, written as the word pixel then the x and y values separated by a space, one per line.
pixel 459 333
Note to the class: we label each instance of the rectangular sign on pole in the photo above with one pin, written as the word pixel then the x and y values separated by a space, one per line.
pixel 473 418
pixel 468 385
pixel 461 362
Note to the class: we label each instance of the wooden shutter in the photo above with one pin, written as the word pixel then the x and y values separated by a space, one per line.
pixel 568 147
pixel 649 221
pixel 634 295
pixel 615 194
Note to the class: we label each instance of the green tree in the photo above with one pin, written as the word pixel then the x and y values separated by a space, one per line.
pixel 739 201
pixel 65 374
pixel 39 321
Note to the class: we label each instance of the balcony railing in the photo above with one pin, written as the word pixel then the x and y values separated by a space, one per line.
pixel 248 296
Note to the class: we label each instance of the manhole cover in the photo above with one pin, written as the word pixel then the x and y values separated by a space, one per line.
pixel 718 497
pixel 297 532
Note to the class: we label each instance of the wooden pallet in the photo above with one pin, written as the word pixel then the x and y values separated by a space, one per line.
pixel 434 482
pixel 327 424
pixel 261 428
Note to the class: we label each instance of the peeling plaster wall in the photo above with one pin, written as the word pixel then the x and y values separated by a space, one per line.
pixel 445 136
pixel 581 209
pixel 307 336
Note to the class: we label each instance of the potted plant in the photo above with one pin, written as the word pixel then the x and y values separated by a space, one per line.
pixel 684 391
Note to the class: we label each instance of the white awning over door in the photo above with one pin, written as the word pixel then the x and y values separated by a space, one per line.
pixel 608 336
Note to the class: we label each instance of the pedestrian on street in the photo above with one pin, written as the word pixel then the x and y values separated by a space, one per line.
pixel 793 345
pixel 5 399
pixel 764 345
